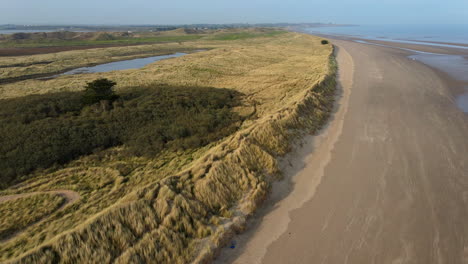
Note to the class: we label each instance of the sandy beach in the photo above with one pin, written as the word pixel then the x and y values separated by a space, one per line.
pixel 385 182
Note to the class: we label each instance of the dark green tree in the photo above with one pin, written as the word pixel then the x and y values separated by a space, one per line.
pixel 99 90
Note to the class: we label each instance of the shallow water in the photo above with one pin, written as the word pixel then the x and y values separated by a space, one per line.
pixel 122 65
pixel 454 65
pixel 411 33
pixel 462 101
pixel 425 43
pixel 389 46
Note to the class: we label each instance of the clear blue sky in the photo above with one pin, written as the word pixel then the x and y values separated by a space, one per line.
pixel 233 11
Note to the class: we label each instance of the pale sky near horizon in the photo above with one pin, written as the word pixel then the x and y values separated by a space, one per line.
pixel 234 11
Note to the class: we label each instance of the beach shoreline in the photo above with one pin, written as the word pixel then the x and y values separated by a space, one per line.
pixel 454 73
pixel 327 226
pixel 309 153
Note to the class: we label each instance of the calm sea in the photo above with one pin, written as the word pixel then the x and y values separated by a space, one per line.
pixel 437 33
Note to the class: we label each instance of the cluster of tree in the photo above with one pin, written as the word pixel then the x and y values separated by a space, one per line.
pixel 39 131
pixel 99 90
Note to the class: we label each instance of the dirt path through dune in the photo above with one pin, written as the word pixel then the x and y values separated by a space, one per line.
pixel 69 196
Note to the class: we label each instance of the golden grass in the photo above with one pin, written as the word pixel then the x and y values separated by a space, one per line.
pixel 19 213
pixel 180 207
pixel 57 62
pixel 17 66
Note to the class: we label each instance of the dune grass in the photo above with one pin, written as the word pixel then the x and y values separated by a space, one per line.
pixel 16 67
pixel 180 206
pixel 65 38
pixel 24 66
pixel 119 41
pixel 246 35
pixel 100 38
pixel 19 213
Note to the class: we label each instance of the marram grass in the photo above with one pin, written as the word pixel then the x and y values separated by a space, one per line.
pixel 22 212
pixel 181 207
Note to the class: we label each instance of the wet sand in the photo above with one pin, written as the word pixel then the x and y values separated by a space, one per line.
pixel 385 182
pixel 424 48
pixel 439 42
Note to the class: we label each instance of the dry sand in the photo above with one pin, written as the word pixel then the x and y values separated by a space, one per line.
pixel 385 182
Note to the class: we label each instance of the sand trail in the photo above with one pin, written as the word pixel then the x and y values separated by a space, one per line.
pixel 69 196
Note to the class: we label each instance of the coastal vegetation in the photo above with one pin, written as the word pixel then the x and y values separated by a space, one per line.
pixel 194 148
pixel 246 35
pixel 28 40
pixel 40 131
pixel 15 68
pixel 24 211
pixel 54 39
pixel 100 90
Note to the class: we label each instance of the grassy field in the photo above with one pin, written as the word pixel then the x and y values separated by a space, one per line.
pixel 43 64
pixel 48 64
pixel 100 38
pixel 246 35
pixel 28 40
pixel 121 41
pixel 178 205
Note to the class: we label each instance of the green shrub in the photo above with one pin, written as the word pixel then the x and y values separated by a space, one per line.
pixel 324 41
pixel 39 131
pixel 99 90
